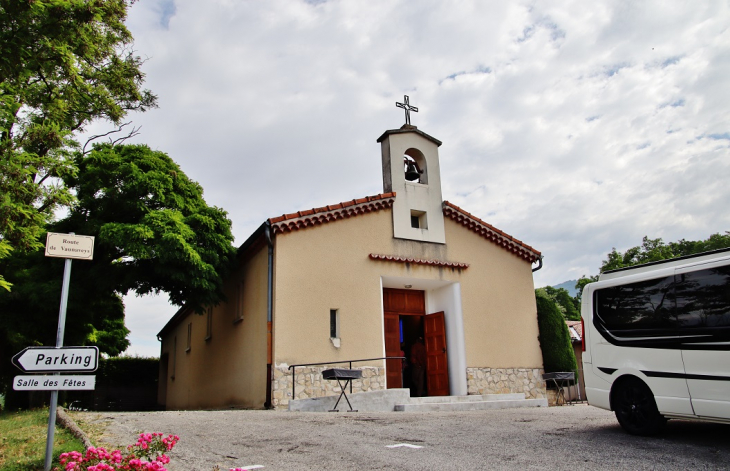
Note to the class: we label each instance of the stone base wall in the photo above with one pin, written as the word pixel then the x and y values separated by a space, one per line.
pixel 310 383
pixel 506 380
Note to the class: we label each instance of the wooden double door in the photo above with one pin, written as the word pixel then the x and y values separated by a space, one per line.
pixel 405 320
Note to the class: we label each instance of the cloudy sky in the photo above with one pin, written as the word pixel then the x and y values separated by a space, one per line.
pixel 574 126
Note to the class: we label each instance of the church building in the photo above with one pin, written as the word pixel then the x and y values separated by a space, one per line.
pixel 359 281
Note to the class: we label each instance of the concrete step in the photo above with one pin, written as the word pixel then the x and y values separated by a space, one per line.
pixel 472 398
pixel 388 400
pixel 469 405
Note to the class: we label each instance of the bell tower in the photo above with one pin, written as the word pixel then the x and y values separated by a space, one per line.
pixel 411 170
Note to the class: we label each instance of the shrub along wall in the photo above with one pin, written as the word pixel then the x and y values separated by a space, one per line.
pixel 122 384
pixel 557 351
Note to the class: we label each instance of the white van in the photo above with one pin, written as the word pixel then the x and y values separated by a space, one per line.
pixel 657 341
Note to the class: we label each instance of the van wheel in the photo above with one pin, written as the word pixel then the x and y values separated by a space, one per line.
pixel 636 408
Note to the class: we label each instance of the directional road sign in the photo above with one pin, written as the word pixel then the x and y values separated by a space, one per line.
pixel 80 247
pixel 54 383
pixel 52 359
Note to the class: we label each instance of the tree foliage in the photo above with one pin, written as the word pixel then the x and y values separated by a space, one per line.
pixel 564 302
pixel 580 284
pixel 654 250
pixel 557 351
pixel 29 313
pixel 154 233
pixel 153 225
pixel 63 64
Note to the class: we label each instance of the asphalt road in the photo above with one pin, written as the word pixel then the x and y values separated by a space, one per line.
pixel 571 437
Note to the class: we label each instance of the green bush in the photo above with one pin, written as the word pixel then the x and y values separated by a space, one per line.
pixel 120 371
pixel 557 351
pixel 122 384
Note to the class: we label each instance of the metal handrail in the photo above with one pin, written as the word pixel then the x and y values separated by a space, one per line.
pixel 294 371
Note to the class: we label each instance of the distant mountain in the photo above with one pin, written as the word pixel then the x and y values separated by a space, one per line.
pixel 569 286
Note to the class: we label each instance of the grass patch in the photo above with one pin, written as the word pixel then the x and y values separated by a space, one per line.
pixel 94 426
pixel 23 440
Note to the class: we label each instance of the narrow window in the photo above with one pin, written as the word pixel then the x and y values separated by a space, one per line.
pixel 238 317
pixel 174 357
pixel 190 336
pixel 334 325
pixel 209 324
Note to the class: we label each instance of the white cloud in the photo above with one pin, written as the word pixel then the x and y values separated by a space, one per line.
pixel 574 126
pixel 145 317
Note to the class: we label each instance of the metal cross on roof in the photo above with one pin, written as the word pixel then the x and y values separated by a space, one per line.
pixel 407 106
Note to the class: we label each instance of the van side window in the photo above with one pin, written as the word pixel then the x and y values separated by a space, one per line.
pixel 703 298
pixel 643 305
pixel 687 310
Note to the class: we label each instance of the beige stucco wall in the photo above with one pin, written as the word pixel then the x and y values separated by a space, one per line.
pixel 327 267
pixel 498 297
pixel 228 369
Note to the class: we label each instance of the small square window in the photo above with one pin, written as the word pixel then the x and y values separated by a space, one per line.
pixel 418 219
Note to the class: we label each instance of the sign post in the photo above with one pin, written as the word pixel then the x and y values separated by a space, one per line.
pixel 68 246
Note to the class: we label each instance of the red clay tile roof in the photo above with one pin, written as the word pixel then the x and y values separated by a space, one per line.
pixel 491 233
pixel 418 261
pixel 316 216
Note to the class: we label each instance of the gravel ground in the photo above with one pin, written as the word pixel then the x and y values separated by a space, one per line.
pixel 569 437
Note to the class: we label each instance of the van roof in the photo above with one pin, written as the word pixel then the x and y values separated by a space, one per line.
pixel 645 267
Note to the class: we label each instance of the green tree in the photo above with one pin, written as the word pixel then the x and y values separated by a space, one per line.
pixel 580 284
pixel 688 247
pixel 654 250
pixel 158 231
pixel 154 233
pixel 564 302
pixel 557 351
pixel 650 250
pixel 63 64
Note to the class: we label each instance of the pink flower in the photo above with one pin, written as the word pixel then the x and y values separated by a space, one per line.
pixel 149 446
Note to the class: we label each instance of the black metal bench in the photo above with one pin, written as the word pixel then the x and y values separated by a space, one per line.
pixel 339 375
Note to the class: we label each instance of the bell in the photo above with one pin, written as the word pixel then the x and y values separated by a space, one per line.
pixel 412 173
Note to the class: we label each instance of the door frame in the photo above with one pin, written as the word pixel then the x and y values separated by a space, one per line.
pixel 395 304
pixel 443 295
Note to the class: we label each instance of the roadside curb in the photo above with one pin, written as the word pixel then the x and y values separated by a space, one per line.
pixel 68 423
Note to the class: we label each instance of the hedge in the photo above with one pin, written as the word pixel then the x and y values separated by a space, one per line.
pixel 557 351
pixel 122 384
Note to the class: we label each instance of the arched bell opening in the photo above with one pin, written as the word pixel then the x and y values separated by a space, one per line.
pixel 414 166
